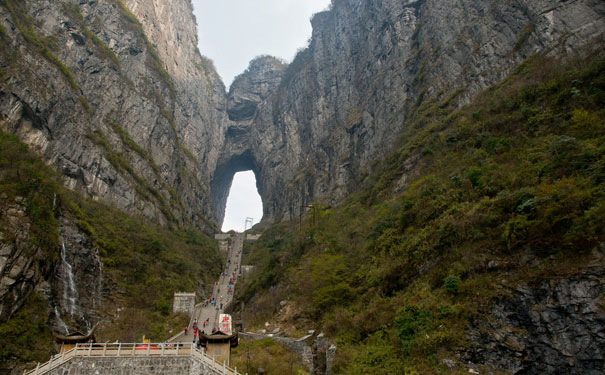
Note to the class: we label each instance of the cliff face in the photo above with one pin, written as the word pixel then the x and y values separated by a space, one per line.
pixel 343 100
pixel 117 97
pixel 252 139
pixel 151 129
pixel 549 327
pixel 126 110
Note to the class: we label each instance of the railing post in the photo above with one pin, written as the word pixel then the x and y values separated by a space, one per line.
pixel 89 348
pixel 62 356
pixel 163 346
pixel 133 349
pixel 178 345
pixel 148 349
pixel 212 359
pixel 119 348
pixel 50 363
pixel 104 349
pixel 224 368
pixel 37 367
pixel 235 370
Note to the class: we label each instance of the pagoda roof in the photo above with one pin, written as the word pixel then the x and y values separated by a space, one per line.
pixel 219 337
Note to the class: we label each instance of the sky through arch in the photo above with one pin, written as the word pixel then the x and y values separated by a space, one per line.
pixel 243 202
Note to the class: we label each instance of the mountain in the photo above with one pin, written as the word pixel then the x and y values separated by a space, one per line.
pixel 342 102
pixel 119 144
pixel 476 246
pixel 151 129
pixel 126 119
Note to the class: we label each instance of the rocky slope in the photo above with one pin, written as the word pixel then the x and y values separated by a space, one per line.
pixel 483 255
pixel 553 326
pixel 341 103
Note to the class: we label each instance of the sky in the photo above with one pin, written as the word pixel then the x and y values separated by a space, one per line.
pixel 233 32
pixel 243 202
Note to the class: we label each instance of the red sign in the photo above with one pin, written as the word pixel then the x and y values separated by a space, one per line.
pixel 225 324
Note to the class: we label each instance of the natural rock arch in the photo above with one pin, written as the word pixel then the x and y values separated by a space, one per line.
pixel 223 178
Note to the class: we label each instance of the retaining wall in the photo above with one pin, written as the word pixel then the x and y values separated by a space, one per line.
pixel 134 366
pixel 184 302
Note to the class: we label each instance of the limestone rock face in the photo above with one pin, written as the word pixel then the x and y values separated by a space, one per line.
pixel 129 112
pixel 77 283
pixel 553 327
pixel 72 282
pixel 117 96
pixel 341 103
pixel 252 141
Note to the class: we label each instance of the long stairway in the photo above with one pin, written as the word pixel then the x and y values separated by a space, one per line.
pixel 207 312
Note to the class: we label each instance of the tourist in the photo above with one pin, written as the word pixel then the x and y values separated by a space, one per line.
pixel 186 330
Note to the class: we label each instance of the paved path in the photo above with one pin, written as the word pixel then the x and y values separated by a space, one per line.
pixel 220 292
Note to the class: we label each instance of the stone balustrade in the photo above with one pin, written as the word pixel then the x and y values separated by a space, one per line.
pixel 132 359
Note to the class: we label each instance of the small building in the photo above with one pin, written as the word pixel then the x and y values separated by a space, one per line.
pixel 219 344
pixel 222 236
pixel 69 342
pixel 252 237
pixel 184 302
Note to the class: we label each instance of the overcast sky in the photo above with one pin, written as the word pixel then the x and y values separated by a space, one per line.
pixel 233 32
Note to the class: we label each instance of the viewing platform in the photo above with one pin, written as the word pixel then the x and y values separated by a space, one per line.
pixel 133 359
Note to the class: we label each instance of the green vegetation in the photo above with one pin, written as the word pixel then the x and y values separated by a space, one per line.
pixel 451 284
pixel 135 250
pixel 272 253
pixel 147 262
pixel 251 355
pixel 85 104
pixel 188 153
pixel 394 274
pixel 24 175
pixel 43 45
pixel 73 12
pixel 524 36
pixel 26 336
pixel 131 144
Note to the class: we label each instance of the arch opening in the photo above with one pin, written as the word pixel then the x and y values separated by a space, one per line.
pixel 244 205
pixel 224 182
